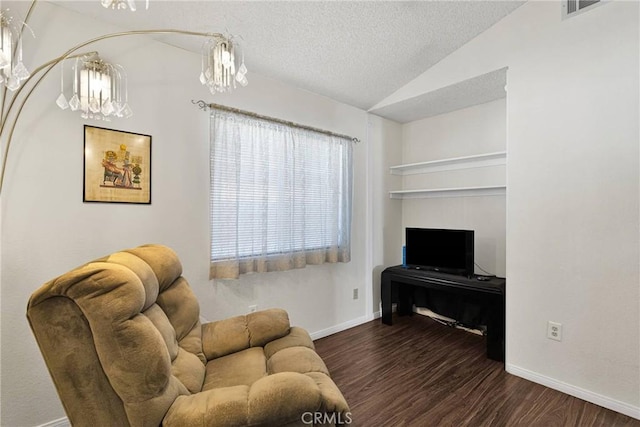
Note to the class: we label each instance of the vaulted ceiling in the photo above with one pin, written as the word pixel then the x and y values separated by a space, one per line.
pixel 355 52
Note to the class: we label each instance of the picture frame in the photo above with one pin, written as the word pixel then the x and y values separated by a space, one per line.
pixel 117 166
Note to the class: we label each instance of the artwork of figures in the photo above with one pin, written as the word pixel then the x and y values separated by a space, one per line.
pixel 117 166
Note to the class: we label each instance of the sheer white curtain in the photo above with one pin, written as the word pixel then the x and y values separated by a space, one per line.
pixel 280 196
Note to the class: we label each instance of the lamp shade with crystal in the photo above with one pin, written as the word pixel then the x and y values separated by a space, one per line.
pixel 99 90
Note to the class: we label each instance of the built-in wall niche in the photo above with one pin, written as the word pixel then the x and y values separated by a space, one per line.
pixel 442 165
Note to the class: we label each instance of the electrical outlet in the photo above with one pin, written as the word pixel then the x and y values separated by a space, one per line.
pixel 554 331
pixel 253 308
pixel 355 293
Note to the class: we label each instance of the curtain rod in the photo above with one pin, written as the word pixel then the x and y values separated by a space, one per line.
pixel 205 106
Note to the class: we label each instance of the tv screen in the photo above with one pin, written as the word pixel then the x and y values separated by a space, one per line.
pixel 448 251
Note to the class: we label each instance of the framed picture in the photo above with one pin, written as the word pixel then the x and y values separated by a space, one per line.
pixel 117 166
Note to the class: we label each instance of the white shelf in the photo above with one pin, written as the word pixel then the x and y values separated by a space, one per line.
pixel 493 190
pixel 467 162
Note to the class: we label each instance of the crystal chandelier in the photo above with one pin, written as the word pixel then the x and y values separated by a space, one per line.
pixel 121 4
pixel 218 71
pixel 99 90
pixel 12 70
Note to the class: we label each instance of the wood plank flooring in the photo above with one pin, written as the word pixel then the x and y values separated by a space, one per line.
pixel 421 373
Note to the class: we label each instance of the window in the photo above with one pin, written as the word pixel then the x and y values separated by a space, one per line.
pixel 280 196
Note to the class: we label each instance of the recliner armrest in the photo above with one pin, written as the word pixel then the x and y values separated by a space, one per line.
pixel 241 332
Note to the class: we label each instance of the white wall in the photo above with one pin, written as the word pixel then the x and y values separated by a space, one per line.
pixel 474 130
pixel 47 230
pixel 573 222
pixel 573 192
pixel 386 150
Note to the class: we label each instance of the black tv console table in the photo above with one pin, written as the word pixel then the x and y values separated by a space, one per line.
pixel 399 282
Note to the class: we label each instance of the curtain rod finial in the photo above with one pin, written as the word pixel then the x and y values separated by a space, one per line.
pixel 201 104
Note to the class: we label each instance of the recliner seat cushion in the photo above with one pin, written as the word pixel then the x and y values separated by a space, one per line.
pixel 242 368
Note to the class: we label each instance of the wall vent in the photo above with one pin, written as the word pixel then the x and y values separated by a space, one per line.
pixel 575 7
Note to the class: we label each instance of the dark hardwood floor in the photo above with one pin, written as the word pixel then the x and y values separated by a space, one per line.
pixel 421 373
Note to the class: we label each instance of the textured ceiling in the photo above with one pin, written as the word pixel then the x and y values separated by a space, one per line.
pixel 354 52
pixel 478 90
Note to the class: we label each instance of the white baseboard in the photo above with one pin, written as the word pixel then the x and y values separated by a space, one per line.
pixel 60 422
pixel 580 393
pixel 344 326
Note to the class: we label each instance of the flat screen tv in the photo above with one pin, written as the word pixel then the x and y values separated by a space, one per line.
pixel 444 250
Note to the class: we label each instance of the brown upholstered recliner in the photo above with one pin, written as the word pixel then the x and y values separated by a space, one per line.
pixel 123 342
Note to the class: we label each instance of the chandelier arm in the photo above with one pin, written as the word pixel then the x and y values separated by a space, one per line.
pixel 67 54
pixel 26 19
pixel 62 57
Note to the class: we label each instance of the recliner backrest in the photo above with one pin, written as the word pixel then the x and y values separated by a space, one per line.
pixel 121 337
